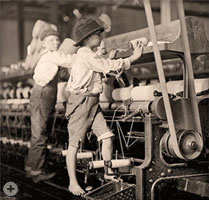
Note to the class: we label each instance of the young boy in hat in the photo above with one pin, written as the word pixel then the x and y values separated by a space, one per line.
pixel 85 85
pixel 42 102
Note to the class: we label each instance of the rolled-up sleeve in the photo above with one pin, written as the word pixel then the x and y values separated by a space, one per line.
pixel 61 59
pixel 101 64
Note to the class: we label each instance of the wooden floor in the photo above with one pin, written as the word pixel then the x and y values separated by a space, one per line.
pixel 27 190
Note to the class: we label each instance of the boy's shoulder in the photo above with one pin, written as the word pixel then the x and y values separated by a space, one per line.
pixel 49 54
pixel 84 50
pixel 87 53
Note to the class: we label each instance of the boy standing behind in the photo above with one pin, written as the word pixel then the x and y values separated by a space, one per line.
pixel 42 102
pixel 85 85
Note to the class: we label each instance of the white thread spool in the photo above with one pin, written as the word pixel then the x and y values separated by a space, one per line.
pixel 120 163
pixel 12 93
pixel 145 93
pixel 121 94
pixel 26 92
pixel 19 92
pixel 84 155
pixel 80 155
pixel 5 93
pixel 96 164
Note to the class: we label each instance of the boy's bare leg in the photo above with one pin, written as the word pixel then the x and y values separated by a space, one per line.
pixel 107 149
pixel 74 187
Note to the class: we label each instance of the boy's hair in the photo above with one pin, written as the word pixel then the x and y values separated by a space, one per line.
pixel 49 32
pixel 84 28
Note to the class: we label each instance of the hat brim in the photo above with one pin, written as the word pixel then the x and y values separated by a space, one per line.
pixel 50 33
pixel 101 29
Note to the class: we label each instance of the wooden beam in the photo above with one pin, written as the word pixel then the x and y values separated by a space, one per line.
pixel 165 11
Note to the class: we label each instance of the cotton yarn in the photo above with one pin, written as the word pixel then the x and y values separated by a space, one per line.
pixel 145 93
pixel 121 94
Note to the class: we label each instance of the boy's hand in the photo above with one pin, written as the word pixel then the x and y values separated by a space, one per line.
pixel 138 50
pixel 112 54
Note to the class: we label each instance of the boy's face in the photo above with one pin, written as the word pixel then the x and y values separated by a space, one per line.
pixel 95 39
pixel 51 42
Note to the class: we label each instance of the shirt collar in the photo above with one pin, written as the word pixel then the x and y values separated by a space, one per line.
pixel 84 49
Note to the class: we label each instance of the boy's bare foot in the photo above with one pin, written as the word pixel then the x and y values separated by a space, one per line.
pixel 76 189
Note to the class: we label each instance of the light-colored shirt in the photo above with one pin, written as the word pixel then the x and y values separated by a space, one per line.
pixel 85 75
pixel 47 66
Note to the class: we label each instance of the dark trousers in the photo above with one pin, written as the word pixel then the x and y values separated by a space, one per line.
pixel 42 102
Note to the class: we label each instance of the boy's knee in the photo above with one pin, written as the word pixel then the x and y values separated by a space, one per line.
pixel 71 150
pixel 106 136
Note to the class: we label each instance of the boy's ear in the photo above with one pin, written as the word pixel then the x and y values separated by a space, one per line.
pixel 44 43
pixel 85 40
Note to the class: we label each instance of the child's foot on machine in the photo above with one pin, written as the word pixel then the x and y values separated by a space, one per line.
pixel 76 190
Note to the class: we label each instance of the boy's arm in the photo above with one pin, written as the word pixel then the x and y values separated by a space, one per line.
pixel 62 59
pixel 100 64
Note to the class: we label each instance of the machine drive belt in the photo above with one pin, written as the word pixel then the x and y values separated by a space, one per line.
pixel 161 75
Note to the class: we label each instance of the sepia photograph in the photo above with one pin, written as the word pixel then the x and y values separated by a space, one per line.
pixel 104 99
